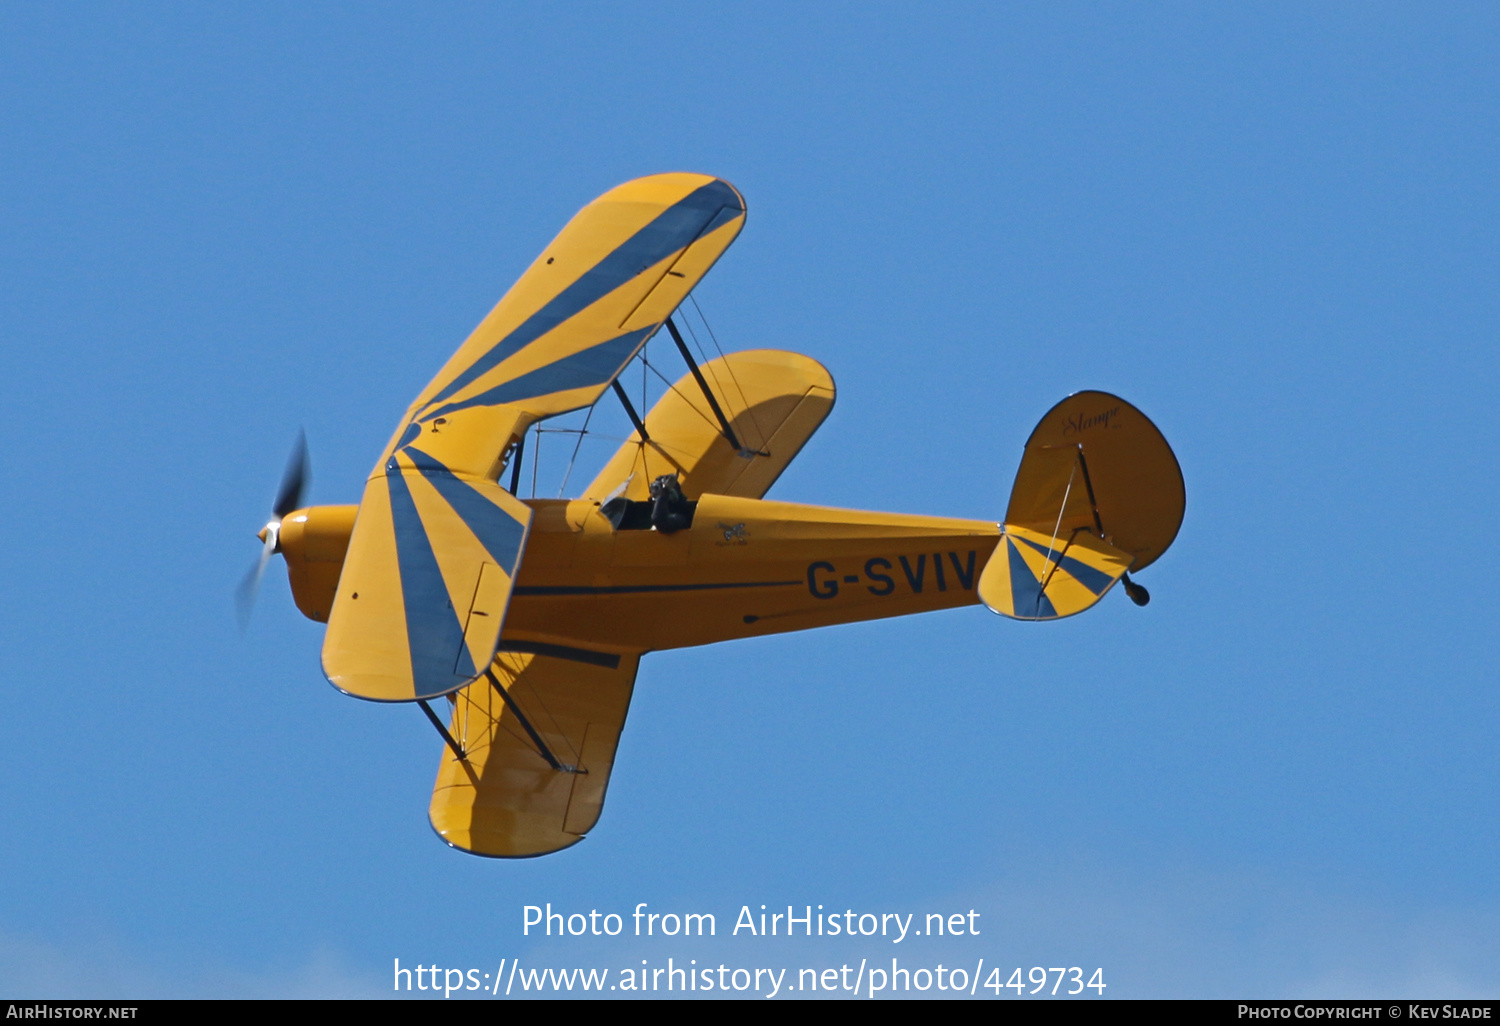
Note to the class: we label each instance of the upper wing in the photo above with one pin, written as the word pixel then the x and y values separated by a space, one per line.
pixel 578 315
pixel 436 543
pixel 504 798
pixel 774 401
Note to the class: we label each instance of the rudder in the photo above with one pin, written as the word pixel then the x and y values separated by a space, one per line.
pixel 1098 493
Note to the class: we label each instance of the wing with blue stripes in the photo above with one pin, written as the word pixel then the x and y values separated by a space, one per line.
pixel 425 584
pixel 578 315
pixel 437 542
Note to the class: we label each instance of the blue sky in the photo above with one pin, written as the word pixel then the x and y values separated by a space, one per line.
pixel 1272 228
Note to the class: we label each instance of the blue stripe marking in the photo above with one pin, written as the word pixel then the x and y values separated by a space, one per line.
pixel 670 231
pixel 1094 580
pixel 597 365
pixel 434 635
pixel 1025 590
pixel 500 533
pixel 726 214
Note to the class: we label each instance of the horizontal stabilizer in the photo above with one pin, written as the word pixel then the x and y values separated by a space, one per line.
pixel 1035 576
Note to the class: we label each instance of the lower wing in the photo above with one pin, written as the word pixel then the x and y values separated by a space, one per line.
pixel 538 733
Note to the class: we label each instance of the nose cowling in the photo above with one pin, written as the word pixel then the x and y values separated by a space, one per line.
pixel 313 542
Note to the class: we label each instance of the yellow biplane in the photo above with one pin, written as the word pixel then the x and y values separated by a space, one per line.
pixel 530 616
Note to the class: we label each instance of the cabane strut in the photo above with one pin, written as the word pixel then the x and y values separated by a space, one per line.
pixel 635 418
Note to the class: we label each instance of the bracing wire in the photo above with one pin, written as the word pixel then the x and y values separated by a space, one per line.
pixel 576 446
pixel 592 434
pixel 536 457
pixel 584 431
pixel 1052 544
pixel 703 355
pixel 536 702
pixel 709 365
pixel 730 367
pixel 678 392
pixel 1062 509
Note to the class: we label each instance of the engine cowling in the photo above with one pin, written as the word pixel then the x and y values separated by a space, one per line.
pixel 313 541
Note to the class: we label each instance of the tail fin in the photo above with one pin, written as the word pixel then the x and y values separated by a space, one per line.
pixel 1098 493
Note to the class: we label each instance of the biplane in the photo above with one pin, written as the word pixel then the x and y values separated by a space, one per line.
pixel 526 619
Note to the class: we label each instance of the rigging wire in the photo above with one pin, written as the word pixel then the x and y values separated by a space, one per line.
pixel 647 366
pixel 678 392
pixel 592 434
pixel 706 362
pixel 577 445
pixel 536 702
pixel 500 721
pixel 536 457
pixel 730 367
pixel 1061 510
pixel 1051 545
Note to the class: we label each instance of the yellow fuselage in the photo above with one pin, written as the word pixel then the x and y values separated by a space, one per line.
pixel 746 567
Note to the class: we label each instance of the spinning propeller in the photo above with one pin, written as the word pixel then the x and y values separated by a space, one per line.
pixel 288 497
